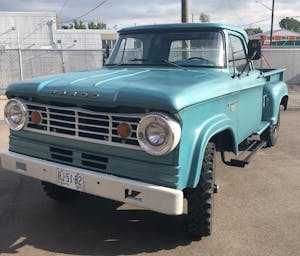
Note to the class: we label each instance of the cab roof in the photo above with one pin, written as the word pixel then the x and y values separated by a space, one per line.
pixel 182 27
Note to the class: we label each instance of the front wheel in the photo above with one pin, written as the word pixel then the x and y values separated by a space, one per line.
pixel 271 134
pixel 200 199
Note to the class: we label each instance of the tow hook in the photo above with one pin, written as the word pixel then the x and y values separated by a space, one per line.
pixel 216 188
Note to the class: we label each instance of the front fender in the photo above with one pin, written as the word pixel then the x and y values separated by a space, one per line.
pixel 204 133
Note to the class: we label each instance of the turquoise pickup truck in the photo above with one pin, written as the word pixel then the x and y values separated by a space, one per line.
pixel 145 128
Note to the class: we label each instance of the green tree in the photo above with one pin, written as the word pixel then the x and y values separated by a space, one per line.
pixel 79 24
pixel 253 31
pixel 92 25
pixel 290 24
pixel 101 25
pixel 204 17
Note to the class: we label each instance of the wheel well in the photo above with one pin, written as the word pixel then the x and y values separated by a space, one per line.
pixel 284 101
pixel 224 141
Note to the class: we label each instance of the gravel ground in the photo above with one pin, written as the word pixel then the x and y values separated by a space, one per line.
pixel 294 96
pixel 2 104
pixel 257 213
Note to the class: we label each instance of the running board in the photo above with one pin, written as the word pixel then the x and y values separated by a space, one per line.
pixel 253 148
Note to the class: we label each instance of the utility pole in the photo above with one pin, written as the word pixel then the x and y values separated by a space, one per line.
pixel 19 53
pixel 184 11
pixel 185 19
pixel 272 20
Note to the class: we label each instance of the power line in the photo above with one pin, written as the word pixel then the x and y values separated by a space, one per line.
pixel 255 22
pixel 63 6
pixel 38 27
pixel 234 10
pixel 87 13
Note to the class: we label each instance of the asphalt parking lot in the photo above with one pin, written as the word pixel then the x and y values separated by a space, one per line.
pixel 257 212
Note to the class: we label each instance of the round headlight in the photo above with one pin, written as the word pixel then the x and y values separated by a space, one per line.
pixel 15 114
pixel 158 134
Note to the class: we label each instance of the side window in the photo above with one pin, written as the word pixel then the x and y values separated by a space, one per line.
pixel 237 55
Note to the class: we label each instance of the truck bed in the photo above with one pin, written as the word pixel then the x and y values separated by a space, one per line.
pixel 272 75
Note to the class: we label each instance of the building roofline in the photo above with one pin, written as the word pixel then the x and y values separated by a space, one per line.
pixel 9 13
pixel 278 31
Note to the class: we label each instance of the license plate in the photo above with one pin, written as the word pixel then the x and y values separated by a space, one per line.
pixel 69 179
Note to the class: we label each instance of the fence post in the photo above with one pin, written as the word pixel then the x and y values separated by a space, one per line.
pixel 20 56
pixel 62 59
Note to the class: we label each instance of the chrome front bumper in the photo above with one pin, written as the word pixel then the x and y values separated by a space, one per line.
pixel 156 198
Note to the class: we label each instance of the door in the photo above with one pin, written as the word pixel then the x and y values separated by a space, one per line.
pixel 250 97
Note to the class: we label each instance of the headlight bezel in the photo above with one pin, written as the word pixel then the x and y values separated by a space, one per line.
pixel 7 114
pixel 172 136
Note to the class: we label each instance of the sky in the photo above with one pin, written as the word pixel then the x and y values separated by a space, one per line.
pixel 121 13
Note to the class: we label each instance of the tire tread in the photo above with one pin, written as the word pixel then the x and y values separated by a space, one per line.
pixel 200 200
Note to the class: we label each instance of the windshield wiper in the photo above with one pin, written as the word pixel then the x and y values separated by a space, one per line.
pixel 160 61
pixel 151 62
pixel 137 59
pixel 114 64
pixel 121 63
pixel 171 64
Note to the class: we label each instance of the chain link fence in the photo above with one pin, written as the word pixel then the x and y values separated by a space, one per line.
pixel 28 63
pixel 9 68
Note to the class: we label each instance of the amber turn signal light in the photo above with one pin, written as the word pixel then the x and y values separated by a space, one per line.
pixel 124 130
pixel 36 117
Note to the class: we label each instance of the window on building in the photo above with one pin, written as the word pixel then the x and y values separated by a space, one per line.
pixel 110 43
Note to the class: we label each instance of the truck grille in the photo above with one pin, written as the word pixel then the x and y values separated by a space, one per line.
pixel 84 125
pixel 85 160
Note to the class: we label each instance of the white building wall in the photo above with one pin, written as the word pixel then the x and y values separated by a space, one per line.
pixel 78 39
pixel 33 29
pixel 38 30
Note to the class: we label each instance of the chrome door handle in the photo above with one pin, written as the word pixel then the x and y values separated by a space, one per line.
pixel 233 105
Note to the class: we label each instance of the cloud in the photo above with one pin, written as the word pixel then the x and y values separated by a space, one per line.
pixel 131 12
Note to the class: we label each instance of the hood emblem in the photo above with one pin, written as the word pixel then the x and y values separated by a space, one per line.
pixel 74 94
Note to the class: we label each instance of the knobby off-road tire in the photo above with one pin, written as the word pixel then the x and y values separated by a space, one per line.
pixel 58 193
pixel 271 134
pixel 200 199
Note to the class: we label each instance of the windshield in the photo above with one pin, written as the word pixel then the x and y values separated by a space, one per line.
pixel 192 48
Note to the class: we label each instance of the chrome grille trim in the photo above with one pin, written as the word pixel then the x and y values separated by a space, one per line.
pixel 89 126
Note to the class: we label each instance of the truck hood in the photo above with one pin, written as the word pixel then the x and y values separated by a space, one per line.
pixel 171 89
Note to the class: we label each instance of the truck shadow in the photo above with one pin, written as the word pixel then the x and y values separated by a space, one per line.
pixel 92 226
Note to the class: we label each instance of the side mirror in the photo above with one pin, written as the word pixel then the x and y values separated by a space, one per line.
pixel 254 49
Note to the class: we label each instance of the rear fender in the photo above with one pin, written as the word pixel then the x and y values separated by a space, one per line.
pixel 275 94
